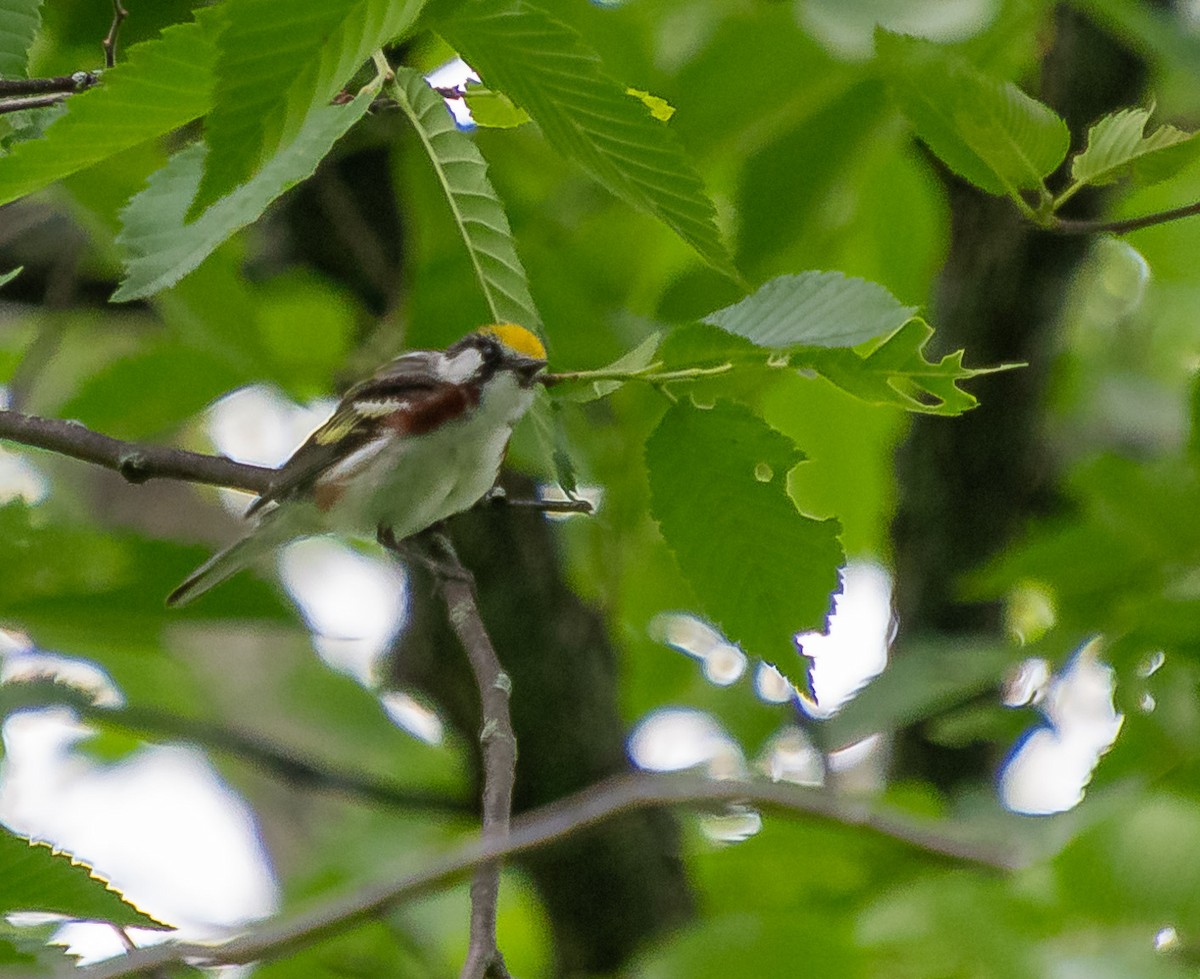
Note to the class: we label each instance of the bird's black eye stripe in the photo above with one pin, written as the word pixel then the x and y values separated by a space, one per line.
pixel 489 347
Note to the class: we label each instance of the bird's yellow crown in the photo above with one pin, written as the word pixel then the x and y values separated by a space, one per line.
pixel 517 338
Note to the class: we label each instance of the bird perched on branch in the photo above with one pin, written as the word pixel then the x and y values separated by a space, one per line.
pixel 420 440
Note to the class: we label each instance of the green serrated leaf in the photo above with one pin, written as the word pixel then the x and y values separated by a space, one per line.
pixel 897 373
pixel 1118 147
pixel 494 110
pixel 760 569
pixel 276 65
pixel 159 86
pixel 984 129
pixel 814 309
pixel 477 210
pixel 545 67
pixel 160 247
pixel 19 23
pixel 38 878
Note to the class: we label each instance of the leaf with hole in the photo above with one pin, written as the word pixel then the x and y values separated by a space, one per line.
pixel 760 569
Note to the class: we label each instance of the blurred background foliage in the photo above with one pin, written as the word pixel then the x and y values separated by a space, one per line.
pixel 1066 508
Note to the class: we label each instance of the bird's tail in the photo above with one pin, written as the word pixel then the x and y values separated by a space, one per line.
pixel 224 564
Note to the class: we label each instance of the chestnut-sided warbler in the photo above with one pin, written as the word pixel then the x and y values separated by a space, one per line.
pixel 420 440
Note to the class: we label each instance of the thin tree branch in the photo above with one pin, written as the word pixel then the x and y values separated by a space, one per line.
pixel 110 39
pixel 282 762
pixel 594 805
pixel 136 462
pixel 498 740
pixel 43 86
pixel 139 462
pixel 1063 226
pixel 32 102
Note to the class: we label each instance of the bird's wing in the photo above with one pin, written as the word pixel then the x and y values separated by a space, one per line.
pixel 407 397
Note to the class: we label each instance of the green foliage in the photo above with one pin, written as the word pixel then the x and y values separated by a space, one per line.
pixel 898 373
pixel 985 129
pixel 161 246
pixel 493 109
pixel 477 211
pixel 760 569
pixel 1117 146
pixel 161 85
pixel 19 23
pixel 275 67
pixel 814 309
pixel 243 255
pixel 38 878
pixel 547 69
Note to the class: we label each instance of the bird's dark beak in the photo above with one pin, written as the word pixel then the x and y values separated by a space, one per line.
pixel 528 369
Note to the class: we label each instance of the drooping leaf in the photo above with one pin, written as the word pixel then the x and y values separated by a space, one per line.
pixel 814 309
pixel 477 210
pixel 19 23
pixel 276 65
pixel 546 68
pixel 760 569
pixel 161 247
pixel 898 373
pixel 985 129
pixel 38 878
pixel 550 442
pixel 159 85
pixel 1118 147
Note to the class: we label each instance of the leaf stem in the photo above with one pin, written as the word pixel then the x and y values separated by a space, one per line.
pixel 653 374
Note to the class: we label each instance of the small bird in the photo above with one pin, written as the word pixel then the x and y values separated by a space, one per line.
pixel 420 440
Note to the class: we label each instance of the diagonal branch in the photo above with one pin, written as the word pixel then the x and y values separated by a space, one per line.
pixel 277 760
pixel 588 808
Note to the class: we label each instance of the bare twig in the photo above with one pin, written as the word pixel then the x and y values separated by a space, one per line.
pixel 1063 226
pixel 110 39
pixel 136 462
pixel 67 84
pixel 594 805
pixel 499 498
pixel 277 760
pixel 499 742
pixel 8 106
